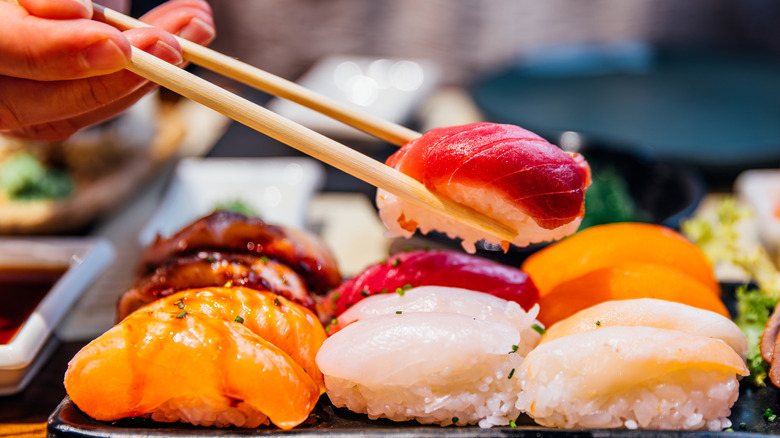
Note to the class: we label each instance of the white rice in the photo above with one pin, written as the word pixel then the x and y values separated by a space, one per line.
pixel 202 410
pixel 695 399
pixel 490 202
pixel 487 401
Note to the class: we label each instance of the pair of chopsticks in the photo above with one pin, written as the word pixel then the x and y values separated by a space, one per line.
pixel 286 131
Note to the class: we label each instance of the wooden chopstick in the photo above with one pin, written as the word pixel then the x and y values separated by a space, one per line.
pixel 272 84
pixel 308 141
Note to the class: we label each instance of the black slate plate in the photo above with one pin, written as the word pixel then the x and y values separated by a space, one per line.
pixel 68 421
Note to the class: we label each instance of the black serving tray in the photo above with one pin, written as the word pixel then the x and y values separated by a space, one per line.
pixel 747 416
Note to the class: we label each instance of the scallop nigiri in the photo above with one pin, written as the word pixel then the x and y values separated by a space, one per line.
pixel 439 368
pixel 288 326
pixel 632 377
pixel 190 368
pixel 503 171
pixel 440 299
pixel 648 312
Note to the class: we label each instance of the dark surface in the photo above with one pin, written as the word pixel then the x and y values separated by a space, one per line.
pixel 69 421
pixel 715 110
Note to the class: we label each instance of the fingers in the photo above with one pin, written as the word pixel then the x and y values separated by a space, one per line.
pixel 26 103
pixel 43 49
pixel 58 9
pixel 189 19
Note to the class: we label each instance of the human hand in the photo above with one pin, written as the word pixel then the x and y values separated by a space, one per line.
pixel 62 71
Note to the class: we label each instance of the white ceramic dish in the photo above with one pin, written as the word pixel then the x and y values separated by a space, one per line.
pixel 82 259
pixel 279 190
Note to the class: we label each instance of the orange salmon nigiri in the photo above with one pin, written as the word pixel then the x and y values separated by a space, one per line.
pixel 177 366
pixel 289 326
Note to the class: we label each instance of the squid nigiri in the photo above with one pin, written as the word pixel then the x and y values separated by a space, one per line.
pixel 632 377
pixel 503 171
pixel 190 368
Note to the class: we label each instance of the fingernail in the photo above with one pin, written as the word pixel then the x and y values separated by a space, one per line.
pixel 197 30
pixel 87 5
pixel 165 52
pixel 103 55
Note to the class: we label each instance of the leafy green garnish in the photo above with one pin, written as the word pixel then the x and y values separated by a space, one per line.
pixel 24 177
pixel 720 238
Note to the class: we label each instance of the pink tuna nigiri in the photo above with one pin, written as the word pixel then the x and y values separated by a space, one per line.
pixel 503 171
pixel 431 268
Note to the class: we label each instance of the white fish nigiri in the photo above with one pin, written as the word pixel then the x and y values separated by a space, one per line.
pixel 634 377
pixel 442 299
pixel 441 368
pixel 648 312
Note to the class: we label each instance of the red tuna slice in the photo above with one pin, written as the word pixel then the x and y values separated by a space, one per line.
pixel 546 183
pixel 431 268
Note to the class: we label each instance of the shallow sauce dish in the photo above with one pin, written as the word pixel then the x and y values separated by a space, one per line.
pixel 41 279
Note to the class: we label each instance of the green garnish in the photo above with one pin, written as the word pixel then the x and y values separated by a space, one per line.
pixel 264 259
pixel 728 430
pixel 229 283
pixel 512 424
pixel 398 312
pixel 277 303
pixel 720 238
pixel 239 319
pixel 383 291
pixel 598 323
pixel 514 349
pixel 210 259
pixel 24 177
pixel 455 419
pixel 365 293
pixel 769 415
pixel 395 262
pixel 335 297
pixel 236 206
pixel 743 425
pixel 539 329
pixel 399 291
pixel 181 315
pixel 180 303
pixel 511 373
pixel 334 321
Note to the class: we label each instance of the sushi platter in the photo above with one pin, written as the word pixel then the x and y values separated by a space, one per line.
pixel 236 326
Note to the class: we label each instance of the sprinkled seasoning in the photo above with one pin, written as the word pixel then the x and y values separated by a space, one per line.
pixel 598 323
pixel 181 315
pixel 239 319
pixel 180 303
pixel 539 329
pixel 277 303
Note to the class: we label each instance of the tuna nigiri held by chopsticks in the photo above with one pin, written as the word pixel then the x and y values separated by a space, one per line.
pixel 503 171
